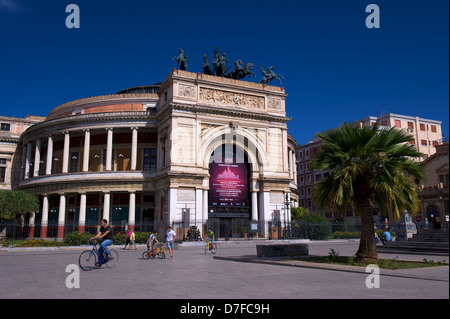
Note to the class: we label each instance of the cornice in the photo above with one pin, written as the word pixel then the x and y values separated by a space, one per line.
pixel 93 119
pixel 217 110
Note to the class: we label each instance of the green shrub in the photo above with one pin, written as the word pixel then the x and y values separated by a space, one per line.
pixel 77 239
pixel 40 243
pixel 346 234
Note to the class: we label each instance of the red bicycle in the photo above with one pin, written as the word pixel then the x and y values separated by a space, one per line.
pixel 151 254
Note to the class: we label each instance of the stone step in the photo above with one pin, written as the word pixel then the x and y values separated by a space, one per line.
pixel 418 244
pixel 413 251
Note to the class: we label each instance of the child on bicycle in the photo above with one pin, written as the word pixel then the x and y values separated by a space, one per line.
pixel 210 236
pixel 152 239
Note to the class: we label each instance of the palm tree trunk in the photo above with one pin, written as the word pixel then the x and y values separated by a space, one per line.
pixel 367 245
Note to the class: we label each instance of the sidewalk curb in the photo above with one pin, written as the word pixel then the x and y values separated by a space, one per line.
pixel 310 265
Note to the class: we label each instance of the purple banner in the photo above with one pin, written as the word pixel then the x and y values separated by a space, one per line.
pixel 228 185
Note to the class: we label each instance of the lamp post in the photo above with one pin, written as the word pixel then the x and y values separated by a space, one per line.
pixel 287 228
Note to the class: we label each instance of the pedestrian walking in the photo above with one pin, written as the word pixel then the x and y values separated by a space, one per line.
pixel 170 239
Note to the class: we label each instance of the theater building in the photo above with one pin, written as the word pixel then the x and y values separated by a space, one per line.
pixel 192 150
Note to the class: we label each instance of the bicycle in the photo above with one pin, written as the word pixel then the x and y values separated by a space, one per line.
pixel 151 253
pixel 212 247
pixel 90 259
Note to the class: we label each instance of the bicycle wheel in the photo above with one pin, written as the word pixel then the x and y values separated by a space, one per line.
pixel 162 253
pixel 87 260
pixel 153 254
pixel 112 262
pixel 213 248
pixel 206 249
pixel 146 255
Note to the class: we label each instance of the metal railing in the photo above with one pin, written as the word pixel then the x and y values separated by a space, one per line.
pixel 224 229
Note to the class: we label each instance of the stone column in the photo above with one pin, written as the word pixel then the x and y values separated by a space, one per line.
pixel 28 161
pixel 198 205
pixel 66 155
pixel 132 211
pixel 205 206
pixel 109 148
pixel 172 209
pixel 82 215
pixel 254 205
pixel 61 216
pixel 49 162
pixel 37 158
pixel 44 220
pixel 291 171
pixel 106 206
pixel 134 146
pixel 31 225
pixel 87 147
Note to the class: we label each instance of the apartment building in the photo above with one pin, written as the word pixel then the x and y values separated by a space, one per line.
pixel 427 133
pixel 427 136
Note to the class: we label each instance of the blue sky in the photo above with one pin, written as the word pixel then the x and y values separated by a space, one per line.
pixel 335 68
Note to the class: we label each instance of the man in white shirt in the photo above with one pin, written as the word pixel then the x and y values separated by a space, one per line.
pixel 170 238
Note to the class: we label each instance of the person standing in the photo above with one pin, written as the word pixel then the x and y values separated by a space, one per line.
pixel 170 238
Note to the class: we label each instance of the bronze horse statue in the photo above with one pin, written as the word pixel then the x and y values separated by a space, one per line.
pixel 239 72
pixel 219 63
pixel 269 75
pixel 206 66
pixel 181 60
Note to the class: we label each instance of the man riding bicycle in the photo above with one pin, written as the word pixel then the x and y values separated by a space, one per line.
pixel 106 234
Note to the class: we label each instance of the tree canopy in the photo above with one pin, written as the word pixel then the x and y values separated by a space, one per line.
pixel 368 166
pixel 14 203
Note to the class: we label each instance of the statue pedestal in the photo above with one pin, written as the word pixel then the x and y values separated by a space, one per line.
pixel 405 228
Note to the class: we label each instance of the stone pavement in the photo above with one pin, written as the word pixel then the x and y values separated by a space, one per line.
pixel 234 273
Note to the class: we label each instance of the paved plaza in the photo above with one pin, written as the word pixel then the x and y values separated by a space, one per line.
pixel 235 274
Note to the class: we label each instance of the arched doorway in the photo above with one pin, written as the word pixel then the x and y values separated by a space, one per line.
pixel 229 200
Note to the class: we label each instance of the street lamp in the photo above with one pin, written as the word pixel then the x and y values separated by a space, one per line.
pixel 287 228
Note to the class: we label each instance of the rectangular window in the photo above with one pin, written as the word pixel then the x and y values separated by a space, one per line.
pixel 422 127
pixel 411 125
pixel 423 142
pixel 398 123
pixel 74 160
pixel 2 174
pixel 433 128
pixel 150 157
pixel 5 127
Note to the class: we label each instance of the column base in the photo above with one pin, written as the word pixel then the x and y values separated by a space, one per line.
pixel 60 232
pixel 81 229
pixel 44 232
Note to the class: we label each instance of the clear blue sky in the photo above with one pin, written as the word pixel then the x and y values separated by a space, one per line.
pixel 335 68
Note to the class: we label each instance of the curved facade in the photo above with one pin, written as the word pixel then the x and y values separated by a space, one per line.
pixel 143 156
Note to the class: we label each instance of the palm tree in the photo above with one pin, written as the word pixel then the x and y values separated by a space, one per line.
pixel 369 166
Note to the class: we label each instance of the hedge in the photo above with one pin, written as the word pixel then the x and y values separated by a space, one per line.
pixel 77 239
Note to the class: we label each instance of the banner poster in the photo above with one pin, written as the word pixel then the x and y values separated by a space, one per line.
pixel 228 185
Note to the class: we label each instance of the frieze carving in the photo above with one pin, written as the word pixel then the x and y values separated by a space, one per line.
pixel 187 91
pixel 274 104
pixel 231 98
